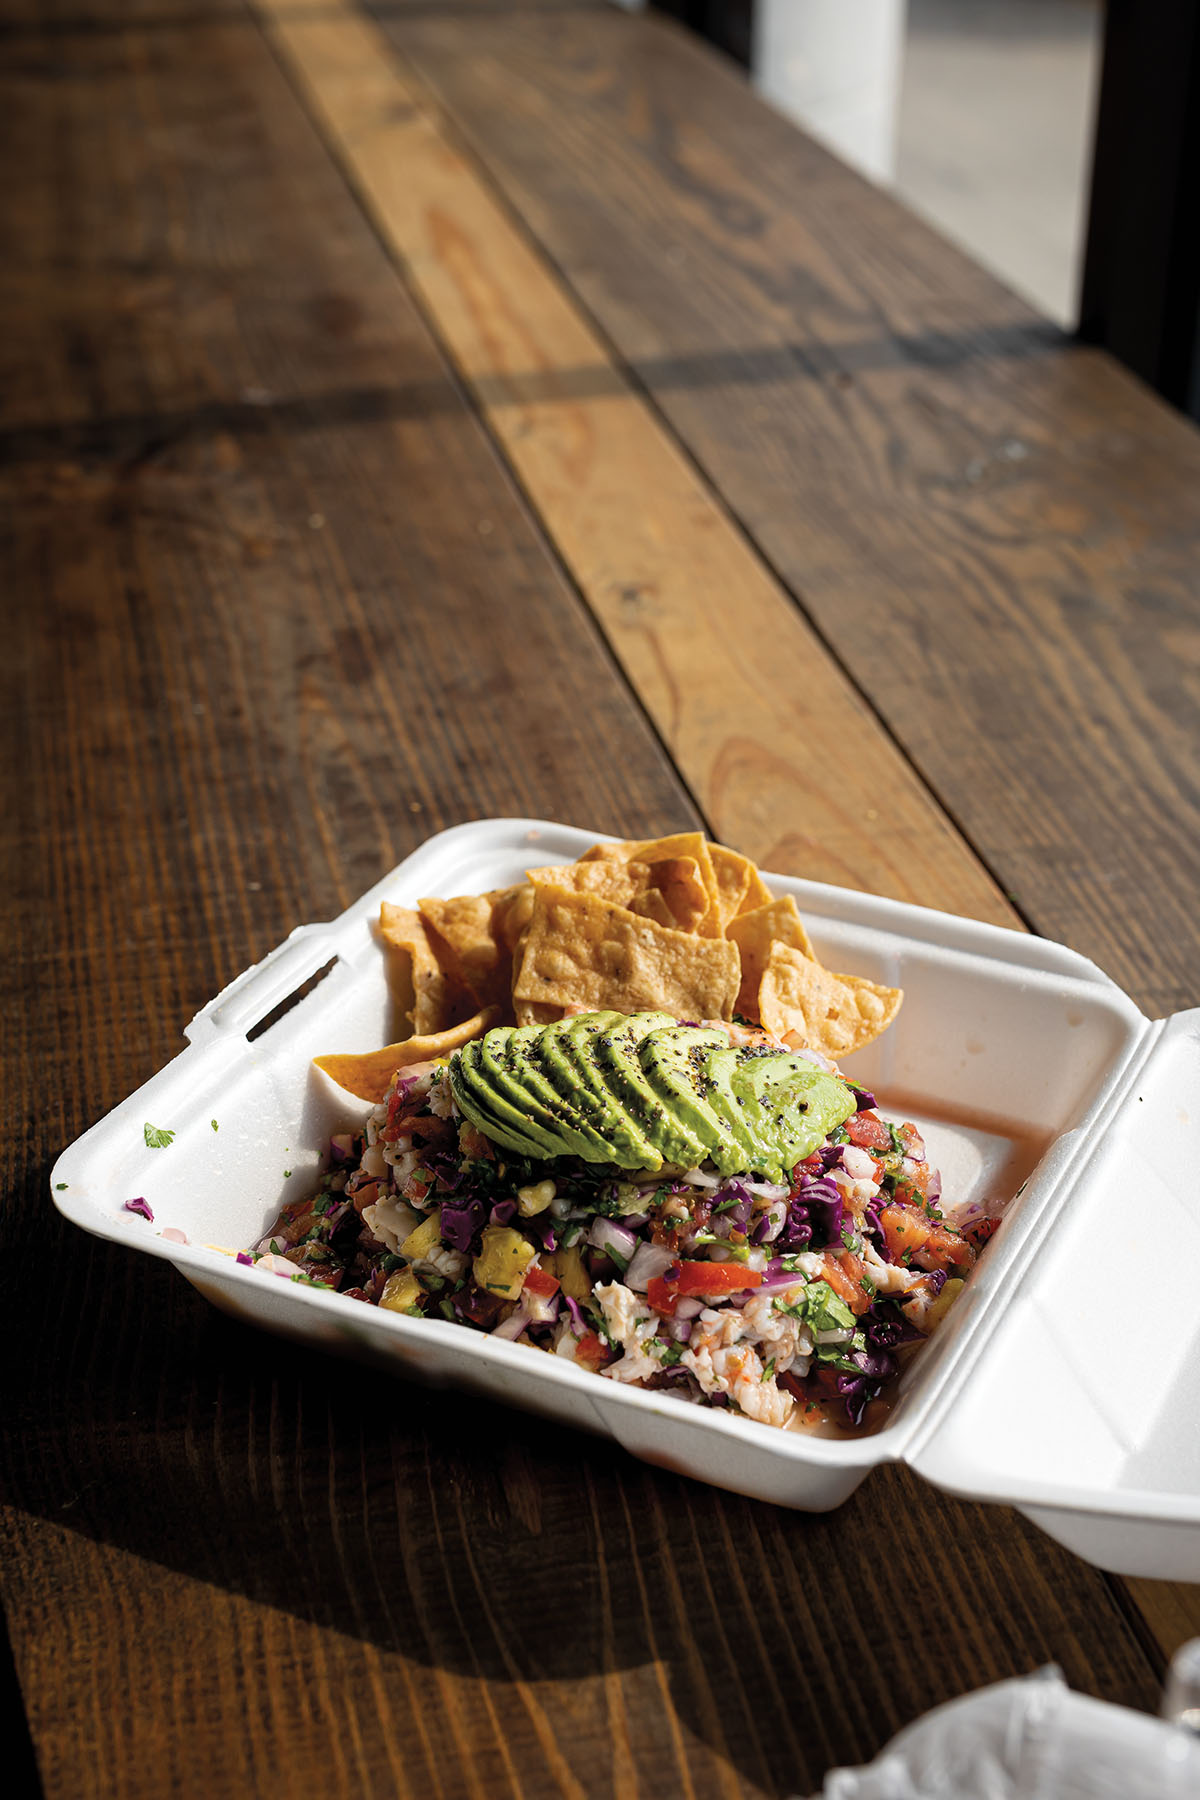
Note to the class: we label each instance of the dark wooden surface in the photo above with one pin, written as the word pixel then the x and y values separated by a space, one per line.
pixel 276 609
pixel 990 525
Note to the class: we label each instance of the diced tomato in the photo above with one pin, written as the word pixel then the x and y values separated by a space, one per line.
pixel 662 1295
pixel 699 1278
pixel 868 1131
pixel 592 1351
pixel 717 1278
pixel 365 1196
pixel 844 1272
pixel 914 1143
pixel 810 1166
pixel 472 1142
pixel 540 1281
pixel 927 1242
pixel 979 1233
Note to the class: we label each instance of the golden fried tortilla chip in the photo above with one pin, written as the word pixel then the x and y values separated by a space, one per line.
pixel 369 1074
pixel 584 950
pixel 681 845
pixel 472 937
pixel 669 891
pixel 833 1013
pixel 740 886
pixel 404 930
pixel 732 873
pixel 536 1012
pixel 755 934
pixel 512 909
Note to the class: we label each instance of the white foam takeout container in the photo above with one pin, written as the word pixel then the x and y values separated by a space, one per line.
pixel 1066 1380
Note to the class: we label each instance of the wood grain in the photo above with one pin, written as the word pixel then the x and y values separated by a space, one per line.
pixel 278 611
pixel 752 706
pixel 568 415
pixel 996 531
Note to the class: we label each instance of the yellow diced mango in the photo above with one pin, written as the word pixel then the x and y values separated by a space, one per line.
pixel 503 1259
pixel 424 1240
pixel 573 1278
pixel 401 1291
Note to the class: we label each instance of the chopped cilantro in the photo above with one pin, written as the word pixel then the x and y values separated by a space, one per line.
pixel 214 1124
pixel 156 1137
pixel 768 1371
pixel 668 1354
pixel 59 1186
pixel 287 1174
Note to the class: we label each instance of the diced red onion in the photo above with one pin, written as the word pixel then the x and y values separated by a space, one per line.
pixel 614 1240
pixel 690 1306
pixel 648 1261
pixel 542 1309
pixel 782 1278
pixel 513 1326
pixel 579 1324
pixel 173 1234
pixel 701 1179
pixel 768 1190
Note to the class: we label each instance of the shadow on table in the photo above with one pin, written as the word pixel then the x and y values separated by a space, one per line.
pixel 492 1546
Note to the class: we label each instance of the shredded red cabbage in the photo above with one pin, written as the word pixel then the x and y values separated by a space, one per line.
pixel 140 1207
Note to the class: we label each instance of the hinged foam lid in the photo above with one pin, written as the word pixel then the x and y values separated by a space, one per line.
pixel 1081 1404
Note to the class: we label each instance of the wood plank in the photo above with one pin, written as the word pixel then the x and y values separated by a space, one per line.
pixel 265 646
pixel 589 455
pixel 258 657
pixel 751 704
pixel 996 531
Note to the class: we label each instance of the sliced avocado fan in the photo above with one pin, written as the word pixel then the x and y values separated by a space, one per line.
pixel 639 1091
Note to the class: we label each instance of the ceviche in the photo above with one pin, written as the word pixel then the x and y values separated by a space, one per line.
pixel 619 1134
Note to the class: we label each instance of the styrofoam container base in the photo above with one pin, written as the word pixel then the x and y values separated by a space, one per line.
pixel 1066 1380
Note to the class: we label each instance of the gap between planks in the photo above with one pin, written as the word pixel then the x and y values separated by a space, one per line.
pixel 785 758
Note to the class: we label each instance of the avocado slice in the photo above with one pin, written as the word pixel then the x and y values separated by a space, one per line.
pixel 790 1106
pixel 488 1111
pixel 500 1064
pixel 675 1063
pixel 510 1058
pixel 739 1150
pixel 567 1054
pixel 618 1066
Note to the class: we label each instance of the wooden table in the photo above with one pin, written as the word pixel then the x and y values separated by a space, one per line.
pixel 438 412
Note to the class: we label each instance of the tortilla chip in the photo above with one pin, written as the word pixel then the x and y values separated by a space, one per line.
pixel 732 873
pixel 369 1074
pixel 536 1012
pixel 690 845
pixel 469 936
pixel 739 885
pixel 669 891
pixel 833 1013
pixel 757 893
pixel 434 1000
pixel 584 950
pixel 512 909
pixel 618 852
pixel 755 934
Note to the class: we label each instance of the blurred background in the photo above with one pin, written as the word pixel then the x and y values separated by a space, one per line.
pixel 1057 141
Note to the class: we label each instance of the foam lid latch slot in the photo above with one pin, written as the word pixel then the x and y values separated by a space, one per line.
pixel 262 996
